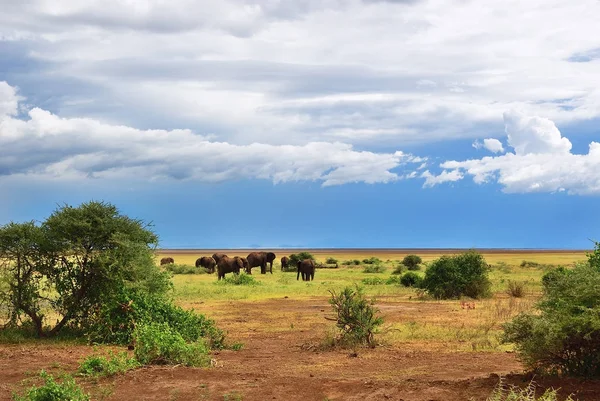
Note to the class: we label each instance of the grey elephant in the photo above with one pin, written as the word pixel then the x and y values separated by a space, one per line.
pixel 229 265
pixel 166 261
pixel 260 259
pixel 217 257
pixel 246 265
pixel 306 267
pixel 207 262
pixel 285 261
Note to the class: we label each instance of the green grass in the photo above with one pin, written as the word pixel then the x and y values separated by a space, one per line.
pixel 107 365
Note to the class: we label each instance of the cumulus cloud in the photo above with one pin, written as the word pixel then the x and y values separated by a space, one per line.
pixel 542 161
pixel 491 144
pixel 45 144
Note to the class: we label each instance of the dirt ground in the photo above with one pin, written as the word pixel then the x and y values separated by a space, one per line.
pixel 281 360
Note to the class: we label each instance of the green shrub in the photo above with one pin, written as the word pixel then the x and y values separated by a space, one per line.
pixel 373 281
pixel 393 280
pixel 529 263
pixel 372 261
pixel 238 279
pixel 516 289
pixel 504 392
pixel 184 269
pixel 115 322
pixel 160 344
pixel 399 269
pixel 412 262
pixel 331 261
pixel 374 269
pixel 51 390
pixel 298 257
pixel 357 319
pixel 351 262
pixel 563 337
pixel 411 279
pixel 455 276
pixel 100 365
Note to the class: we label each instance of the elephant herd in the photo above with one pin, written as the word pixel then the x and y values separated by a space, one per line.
pixel 223 264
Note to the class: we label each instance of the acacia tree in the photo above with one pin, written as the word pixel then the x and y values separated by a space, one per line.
pixel 74 261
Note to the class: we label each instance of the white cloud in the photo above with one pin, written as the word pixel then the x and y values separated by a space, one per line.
pixel 82 148
pixel 493 145
pixel 542 161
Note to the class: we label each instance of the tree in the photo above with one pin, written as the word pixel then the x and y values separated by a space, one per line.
pixel 412 262
pixel 455 276
pixel 74 262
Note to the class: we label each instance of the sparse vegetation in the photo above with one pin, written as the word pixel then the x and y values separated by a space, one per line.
pixel 374 269
pixel 412 262
pixel 400 269
pixel 516 289
pixel 184 269
pixel 373 281
pixel 238 279
pixel 504 392
pixel 52 390
pixel 460 275
pixel 357 318
pixel 103 366
pixel 372 261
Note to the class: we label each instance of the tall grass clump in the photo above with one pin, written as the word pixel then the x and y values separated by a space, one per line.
pixel 516 289
pixel 356 317
pixel 53 390
pixel 374 269
pixel 460 275
pixel 563 336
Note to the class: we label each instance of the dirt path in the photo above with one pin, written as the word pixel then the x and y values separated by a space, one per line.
pixel 279 362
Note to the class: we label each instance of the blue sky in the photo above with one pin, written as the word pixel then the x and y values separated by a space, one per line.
pixel 360 123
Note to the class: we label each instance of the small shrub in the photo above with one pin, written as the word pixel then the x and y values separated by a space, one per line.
pixel 372 261
pixel 393 280
pixel 357 319
pixel 516 289
pixel 183 269
pixel 238 279
pixel 412 262
pixel 160 344
pixel 98 365
pixel 553 276
pixel 52 390
pixel 411 279
pixel 454 276
pixel 529 263
pixel 373 281
pixel 352 262
pixel 374 269
pixel 331 261
pixel 399 269
pixel 504 392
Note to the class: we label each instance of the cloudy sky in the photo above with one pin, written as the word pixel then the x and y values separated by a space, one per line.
pixel 308 123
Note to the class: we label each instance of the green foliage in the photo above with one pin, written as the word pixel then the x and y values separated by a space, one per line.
pixel 184 269
pixel 399 269
pixel 354 262
pixel 455 276
pixel 564 337
pixel 73 263
pixel 238 279
pixel 357 318
pixel 116 321
pixel 52 390
pixel 103 366
pixel 529 263
pixel 504 392
pixel 393 280
pixel 298 257
pixel 372 261
pixel 373 281
pixel 374 269
pixel 331 261
pixel 516 289
pixel 411 279
pixel 161 344
pixel 412 262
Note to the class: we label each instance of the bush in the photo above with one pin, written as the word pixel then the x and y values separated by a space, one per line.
pixel 393 280
pixel 115 321
pixel 160 344
pixel 357 319
pixel 238 279
pixel 373 281
pixel 351 262
pixel 411 279
pixel 516 289
pixel 184 269
pixel 372 261
pixel 504 392
pixel 298 257
pixel 564 336
pixel 412 262
pixel 331 261
pixel 374 269
pixel 98 365
pixel 52 390
pixel 399 269
pixel 529 263
pixel 455 276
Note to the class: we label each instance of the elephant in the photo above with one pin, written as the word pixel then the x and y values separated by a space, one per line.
pixel 245 263
pixel 284 263
pixel 229 265
pixel 166 261
pixel 307 268
pixel 207 262
pixel 217 257
pixel 260 259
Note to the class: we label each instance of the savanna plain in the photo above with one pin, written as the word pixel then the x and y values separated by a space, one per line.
pixel 426 349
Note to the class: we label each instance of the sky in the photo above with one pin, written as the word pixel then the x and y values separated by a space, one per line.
pixel 308 123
